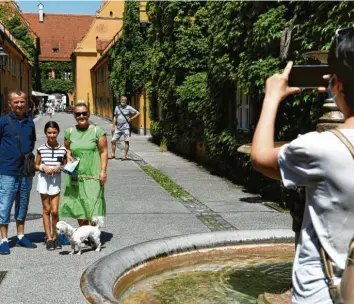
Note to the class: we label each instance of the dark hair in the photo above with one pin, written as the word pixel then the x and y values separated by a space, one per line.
pixel 51 124
pixel 341 62
pixel 82 104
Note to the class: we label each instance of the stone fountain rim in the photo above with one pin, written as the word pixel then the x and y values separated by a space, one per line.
pixel 98 279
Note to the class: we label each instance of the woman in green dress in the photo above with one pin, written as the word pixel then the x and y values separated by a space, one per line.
pixel 84 196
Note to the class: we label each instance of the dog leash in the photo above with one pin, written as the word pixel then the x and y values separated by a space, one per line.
pixel 85 177
pixel 68 237
pixel 94 206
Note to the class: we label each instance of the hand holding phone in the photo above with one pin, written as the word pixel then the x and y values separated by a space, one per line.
pixel 277 87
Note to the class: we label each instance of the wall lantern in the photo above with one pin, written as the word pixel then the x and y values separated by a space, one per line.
pixel 3 59
pixel 3 55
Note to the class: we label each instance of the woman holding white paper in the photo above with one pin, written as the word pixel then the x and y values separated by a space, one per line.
pixel 84 193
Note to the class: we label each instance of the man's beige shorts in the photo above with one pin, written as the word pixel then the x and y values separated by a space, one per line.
pixel 122 135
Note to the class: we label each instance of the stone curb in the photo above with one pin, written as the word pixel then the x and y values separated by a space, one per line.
pixel 98 280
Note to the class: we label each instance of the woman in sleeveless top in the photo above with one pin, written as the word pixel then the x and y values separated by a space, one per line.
pixel 322 164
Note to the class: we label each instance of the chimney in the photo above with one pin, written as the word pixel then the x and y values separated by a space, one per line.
pixel 40 12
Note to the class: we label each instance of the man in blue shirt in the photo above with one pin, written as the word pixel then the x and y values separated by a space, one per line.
pixel 14 186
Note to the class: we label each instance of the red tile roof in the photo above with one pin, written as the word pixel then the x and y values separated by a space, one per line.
pixel 58 31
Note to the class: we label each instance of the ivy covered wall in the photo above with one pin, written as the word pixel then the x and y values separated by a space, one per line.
pixel 10 17
pixel 196 52
pixel 127 56
pixel 59 84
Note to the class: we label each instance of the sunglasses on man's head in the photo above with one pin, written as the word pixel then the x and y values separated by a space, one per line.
pixel 78 114
pixel 344 30
pixel 341 32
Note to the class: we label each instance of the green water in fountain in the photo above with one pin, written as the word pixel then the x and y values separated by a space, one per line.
pixel 238 279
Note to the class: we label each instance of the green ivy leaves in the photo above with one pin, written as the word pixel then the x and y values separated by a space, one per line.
pixel 19 30
pixel 59 84
pixel 128 55
pixel 197 51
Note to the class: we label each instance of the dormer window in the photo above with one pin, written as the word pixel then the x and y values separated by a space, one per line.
pixel 55 50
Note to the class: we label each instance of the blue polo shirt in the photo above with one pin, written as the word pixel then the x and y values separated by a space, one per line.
pixel 11 160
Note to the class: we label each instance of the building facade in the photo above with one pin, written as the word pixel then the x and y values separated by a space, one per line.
pixel 103 101
pixel 17 73
pixel 58 35
pixel 107 22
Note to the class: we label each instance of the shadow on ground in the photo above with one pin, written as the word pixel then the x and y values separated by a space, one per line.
pixel 35 237
pixel 252 200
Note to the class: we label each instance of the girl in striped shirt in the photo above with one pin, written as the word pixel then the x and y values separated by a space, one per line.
pixel 50 157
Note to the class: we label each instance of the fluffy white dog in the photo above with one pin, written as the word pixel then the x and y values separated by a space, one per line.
pixel 77 236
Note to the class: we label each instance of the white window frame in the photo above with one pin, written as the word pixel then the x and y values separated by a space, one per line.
pixel 67 75
pixel 243 110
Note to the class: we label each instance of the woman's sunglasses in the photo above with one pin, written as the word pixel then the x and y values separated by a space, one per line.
pixel 78 114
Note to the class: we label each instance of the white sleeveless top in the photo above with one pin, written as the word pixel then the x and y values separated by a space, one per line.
pixel 323 164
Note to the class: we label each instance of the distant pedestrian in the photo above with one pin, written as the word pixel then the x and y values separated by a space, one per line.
pixel 121 128
pixel 31 108
pixel 14 186
pixel 41 107
pixel 50 156
pixel 63 104
pixel 83 196
pixel 50 109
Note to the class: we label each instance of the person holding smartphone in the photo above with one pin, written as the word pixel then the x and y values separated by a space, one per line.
pixel 324 165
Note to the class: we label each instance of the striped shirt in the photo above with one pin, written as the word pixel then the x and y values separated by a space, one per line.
pixel 51 156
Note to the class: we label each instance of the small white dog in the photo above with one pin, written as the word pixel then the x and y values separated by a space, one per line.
pixel 77 236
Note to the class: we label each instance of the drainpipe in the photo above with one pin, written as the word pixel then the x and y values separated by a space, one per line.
pixel 143 26
pixel 28 80
pixel 144 110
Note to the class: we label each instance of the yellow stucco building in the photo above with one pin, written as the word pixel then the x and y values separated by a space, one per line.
pixel 91 62
pixel 17 73
pixel 108 21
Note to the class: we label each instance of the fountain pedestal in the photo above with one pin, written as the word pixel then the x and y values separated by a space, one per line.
pixel 331 117
pixel 269 298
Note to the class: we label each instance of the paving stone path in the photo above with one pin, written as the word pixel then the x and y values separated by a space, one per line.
pixel 138 210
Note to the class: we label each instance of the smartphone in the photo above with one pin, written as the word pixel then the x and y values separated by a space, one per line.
pixel 308 76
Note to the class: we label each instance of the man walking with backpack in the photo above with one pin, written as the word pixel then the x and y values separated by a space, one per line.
pixel 123 115
pixel 17 138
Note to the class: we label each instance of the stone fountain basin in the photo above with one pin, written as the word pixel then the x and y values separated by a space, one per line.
pixel 111 275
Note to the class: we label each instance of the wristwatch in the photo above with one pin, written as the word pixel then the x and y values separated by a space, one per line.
pixel 41 168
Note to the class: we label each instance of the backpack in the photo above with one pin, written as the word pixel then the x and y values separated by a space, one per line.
pixel 343 293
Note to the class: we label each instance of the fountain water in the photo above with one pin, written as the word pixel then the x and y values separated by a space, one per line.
pixel 232 266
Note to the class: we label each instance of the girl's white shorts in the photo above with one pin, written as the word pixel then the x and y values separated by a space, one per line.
pixel 49 184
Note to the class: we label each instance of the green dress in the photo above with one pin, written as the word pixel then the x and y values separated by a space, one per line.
pixel 84 197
